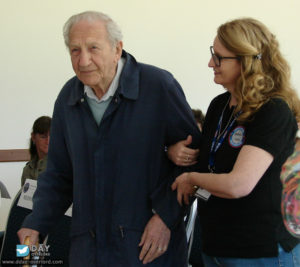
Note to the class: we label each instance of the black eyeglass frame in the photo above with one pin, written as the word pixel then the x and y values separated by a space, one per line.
pixel 219 58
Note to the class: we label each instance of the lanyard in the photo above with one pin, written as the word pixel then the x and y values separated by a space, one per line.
pixel 219 138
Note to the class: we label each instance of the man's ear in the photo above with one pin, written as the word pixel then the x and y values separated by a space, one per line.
pixel 119 49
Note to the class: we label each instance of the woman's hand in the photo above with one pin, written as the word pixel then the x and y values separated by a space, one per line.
pixel 181 155
pixel 184 188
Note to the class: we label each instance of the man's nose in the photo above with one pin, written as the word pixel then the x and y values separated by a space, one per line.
pixel 84 58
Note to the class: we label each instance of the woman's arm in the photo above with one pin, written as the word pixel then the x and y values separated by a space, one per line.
pixel 251 164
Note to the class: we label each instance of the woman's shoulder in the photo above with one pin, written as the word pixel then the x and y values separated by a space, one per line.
pixel 27 169
pixel 28 166
pixel 31 164
pixel 276 103
pixel 275 114
pixel 276 108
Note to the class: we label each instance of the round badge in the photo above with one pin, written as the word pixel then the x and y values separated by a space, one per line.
pixel 237 137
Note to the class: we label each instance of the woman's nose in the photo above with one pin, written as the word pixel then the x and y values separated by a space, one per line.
pixel 211 63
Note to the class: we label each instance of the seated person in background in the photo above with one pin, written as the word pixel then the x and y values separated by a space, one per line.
pixel 38 149
pixel 199 117
pixel 290 202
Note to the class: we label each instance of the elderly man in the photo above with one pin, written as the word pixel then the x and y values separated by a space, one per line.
pixel 111 125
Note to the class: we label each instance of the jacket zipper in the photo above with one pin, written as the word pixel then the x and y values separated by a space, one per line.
pixel 121 230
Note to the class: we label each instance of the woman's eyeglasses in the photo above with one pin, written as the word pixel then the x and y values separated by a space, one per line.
pixel 217 59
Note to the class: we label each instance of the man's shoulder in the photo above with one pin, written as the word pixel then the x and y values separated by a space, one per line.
pixel 71 89
pixel 157 72
pixel 145 69
pixel 157 78
pixel 147 74
pixel 71 84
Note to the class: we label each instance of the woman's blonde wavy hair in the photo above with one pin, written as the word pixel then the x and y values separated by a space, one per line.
pixel 265 74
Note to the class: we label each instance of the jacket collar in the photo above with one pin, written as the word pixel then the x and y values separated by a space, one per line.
pixel 128 84
pixel 129 80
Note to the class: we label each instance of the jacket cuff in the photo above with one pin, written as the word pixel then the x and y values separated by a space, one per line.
pixel 30 222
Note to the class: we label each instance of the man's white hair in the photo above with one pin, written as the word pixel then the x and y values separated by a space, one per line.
pixel 113 30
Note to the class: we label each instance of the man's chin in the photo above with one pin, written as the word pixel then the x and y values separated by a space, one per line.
pixel 87 81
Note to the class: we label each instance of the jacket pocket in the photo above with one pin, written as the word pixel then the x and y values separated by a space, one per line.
pixel 125 244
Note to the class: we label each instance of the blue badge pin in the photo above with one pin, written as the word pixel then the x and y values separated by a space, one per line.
pixel 237 137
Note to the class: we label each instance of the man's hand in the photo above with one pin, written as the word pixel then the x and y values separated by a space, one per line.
pixel 33 236
pixel 155 239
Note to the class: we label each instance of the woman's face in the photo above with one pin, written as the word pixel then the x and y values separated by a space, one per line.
pixel 42 142
pixel 230 68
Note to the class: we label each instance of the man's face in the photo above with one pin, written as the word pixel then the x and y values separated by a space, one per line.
pixel 94 60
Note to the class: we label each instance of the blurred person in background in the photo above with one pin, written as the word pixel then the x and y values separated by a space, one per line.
pixel 290 202
pixel 38 149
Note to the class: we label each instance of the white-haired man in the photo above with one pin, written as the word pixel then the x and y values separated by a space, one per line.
pixel 111 124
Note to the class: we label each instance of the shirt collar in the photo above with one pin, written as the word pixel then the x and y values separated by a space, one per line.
pixel 128 83
pixel 112 88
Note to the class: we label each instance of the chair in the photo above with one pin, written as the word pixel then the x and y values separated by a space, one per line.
pixel 3 191
pixel 14 222
pixel 190 220
pixel 190 224
pixel 3 194
pixel 58 238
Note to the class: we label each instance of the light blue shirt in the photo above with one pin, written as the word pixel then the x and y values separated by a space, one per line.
pixel 98 106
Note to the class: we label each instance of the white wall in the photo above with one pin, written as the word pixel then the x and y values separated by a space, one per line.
pixel 172 34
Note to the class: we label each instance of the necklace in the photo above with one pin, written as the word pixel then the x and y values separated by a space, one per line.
pixel 220 133
pixel 220 136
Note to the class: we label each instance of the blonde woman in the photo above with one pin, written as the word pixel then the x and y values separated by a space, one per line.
pixel 248 133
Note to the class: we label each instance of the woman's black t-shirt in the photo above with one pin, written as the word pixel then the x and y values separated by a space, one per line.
pixel 250 226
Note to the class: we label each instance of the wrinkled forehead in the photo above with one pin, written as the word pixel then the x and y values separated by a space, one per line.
pixel 86 31
pixel 96 26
